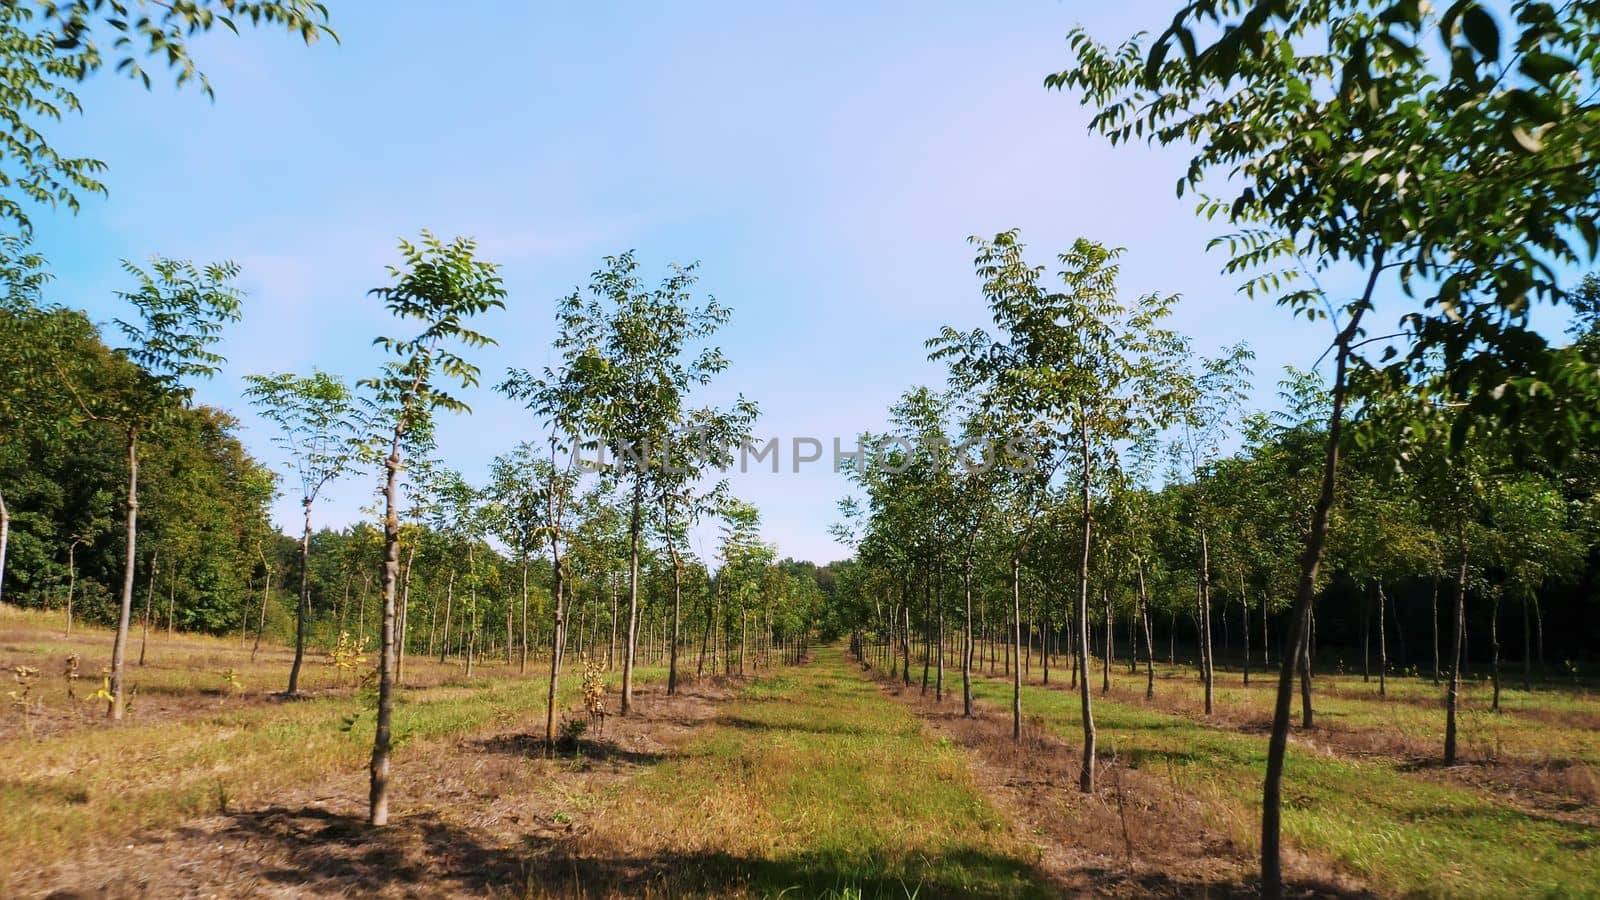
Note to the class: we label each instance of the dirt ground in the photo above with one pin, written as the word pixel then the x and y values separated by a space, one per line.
pixel 485 814
pixel 1136 836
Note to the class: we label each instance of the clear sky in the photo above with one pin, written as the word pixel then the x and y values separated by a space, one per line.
pixel 825 162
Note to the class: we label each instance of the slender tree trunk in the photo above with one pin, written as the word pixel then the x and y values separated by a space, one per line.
pixel 405 617
pixel 635 525
pixel 905 637
pixel 303 607
pixel 172 605
pixel 472 607
pixel 1433 624
pixel 5 543
pixel 1016 637
pixel 938 589
pixel 1266 635
pixel 449 604
pixel 149 593
pixel 677 615
pixel 1086 774
pixel 1105 661
pixel 705 637
pixel 927 630
pixel 522 645
pixel 1366 637
pixel 1300 613
pixel 119 646
pixel 1452 694
pixel 1383 647
pixel 1538 633
pixel 266 596
pixel 1494 649
pixel 378 796
pixel 968 637
pixel 1207 669
pixel 1305 670
pixel 72 579
pixel 1244 603
pixel 557 637
pixel 611 642
pixel 1149 638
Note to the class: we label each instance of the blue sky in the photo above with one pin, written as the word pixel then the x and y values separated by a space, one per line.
pixel 824 162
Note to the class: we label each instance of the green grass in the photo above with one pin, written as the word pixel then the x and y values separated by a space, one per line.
pixel 1398 830
pixel 69 793
pixel 813 783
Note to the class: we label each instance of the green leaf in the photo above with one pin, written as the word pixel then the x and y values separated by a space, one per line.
pixel 1545 67
pixel 1482 33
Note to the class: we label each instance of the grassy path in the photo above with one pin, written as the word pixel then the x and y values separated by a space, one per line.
pixel 1402 832
pixel 815 784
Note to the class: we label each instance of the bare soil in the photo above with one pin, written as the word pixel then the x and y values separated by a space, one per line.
pixel 485 814
pixel 1137 835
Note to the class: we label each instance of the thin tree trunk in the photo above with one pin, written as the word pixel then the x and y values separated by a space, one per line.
pixel 938 589
pixel 677 615
pixel 5 543
pixel 266 596
pixel 1149 638
pixel 149 592
pixel 1434 627
pixel 405 617
pixel 1207 668
pixel 1306 720
pixel 557 637
pixel 522 646
pixel 1086 774
pixel 1016 637
pixel 635 525
pixel 1105 661
pixel 1300 613
pixel 378 796
pixel 119 646
pixel 72 579
pixel 1494 649
pixel 967 637
pixel 302 610
pixel 1366 637
pixel 449 604
pixel 1383 647
pixel 1244 603
pixel 927 630
pixel 1452 695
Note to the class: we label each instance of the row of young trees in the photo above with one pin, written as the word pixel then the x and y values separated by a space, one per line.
pixel 588 524
pixel 1442 162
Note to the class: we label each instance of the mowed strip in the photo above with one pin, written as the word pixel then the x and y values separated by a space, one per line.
pixel 71 793
pixel 1404 833
pixel 815 784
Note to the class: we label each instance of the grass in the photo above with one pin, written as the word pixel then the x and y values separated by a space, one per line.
pixel 1399 831
pixel 812 783
pixel 74 790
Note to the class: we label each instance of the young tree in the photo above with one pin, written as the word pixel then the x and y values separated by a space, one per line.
pixel 1349 144
pixel 439 286
pixel 1207 398
pixel 519 519
pixel 633 355
pixel 318 427
pixel 705 444
pixel 181 310
pixel 1097 373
